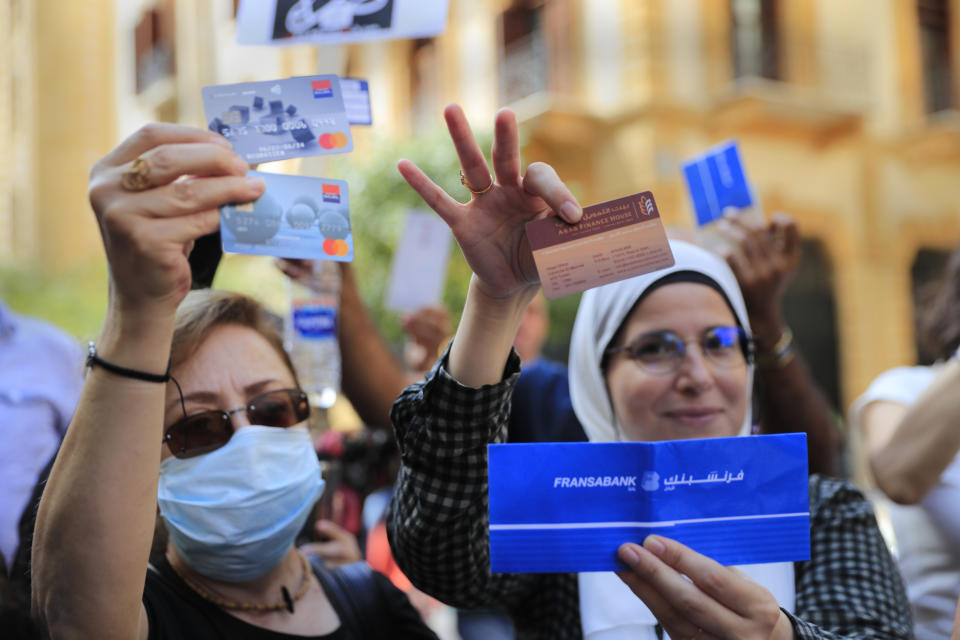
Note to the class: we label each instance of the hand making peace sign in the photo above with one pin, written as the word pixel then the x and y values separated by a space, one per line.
pixel 490 227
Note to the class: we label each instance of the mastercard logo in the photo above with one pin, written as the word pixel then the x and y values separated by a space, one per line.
pixel 336 247
pixel 336 140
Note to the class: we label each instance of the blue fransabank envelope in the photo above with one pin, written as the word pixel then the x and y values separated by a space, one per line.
pixel 567 507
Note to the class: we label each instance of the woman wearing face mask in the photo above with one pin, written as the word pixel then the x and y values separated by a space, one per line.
pixel 658 357
pixel 191 403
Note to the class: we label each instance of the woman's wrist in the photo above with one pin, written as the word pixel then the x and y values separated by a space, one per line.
pixel 775 353
pixel 783 629
pixel 485 335
pixel 139 341
pixel 767 329
pixel 501 308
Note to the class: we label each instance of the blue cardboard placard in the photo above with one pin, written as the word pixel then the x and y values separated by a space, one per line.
pixel 567 507
pixel 716 180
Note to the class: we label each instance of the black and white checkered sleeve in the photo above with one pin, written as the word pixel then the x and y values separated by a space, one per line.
pixel 850 588
pixel 437 522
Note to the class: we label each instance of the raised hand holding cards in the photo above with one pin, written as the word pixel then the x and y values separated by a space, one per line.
pixel 613 241
pixel 296 217
pixel 716 181
pixel 280 119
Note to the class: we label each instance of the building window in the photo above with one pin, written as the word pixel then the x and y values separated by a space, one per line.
pixel 934 21
pixel 423 84
pixel 754 38
pixel 926 277
pixel 809 307
pixel 524 55
pixel 154 39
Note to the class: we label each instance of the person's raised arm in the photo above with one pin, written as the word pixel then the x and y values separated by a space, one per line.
pixel 909 448
pixel 764 259
pixel 437 522
pixel 490 232
pixel 428 331
pixel 96 518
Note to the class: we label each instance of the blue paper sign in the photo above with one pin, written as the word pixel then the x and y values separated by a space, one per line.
pixel 356 100
pixel 567 507
pixel 715 181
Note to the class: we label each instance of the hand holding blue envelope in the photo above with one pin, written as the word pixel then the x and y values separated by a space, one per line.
pixel 660 378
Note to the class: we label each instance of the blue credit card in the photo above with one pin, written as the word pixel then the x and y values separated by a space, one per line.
pixel 280 119
pixel 296 217
pixel 356 100
pixel 715 181
pixel 567 507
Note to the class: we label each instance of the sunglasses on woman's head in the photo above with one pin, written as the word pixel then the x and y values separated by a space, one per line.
pixel 661 352
pixel 207 431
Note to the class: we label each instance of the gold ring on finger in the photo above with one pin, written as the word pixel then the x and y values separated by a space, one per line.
pixel 463 181
pixel 137 175
pixel 694 636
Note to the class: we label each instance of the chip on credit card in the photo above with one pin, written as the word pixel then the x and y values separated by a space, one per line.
pixel 280 119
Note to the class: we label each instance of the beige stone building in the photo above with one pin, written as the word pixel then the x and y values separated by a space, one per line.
pixel 57 117
pixel 844 112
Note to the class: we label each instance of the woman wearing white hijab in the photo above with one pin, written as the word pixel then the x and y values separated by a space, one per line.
pixel 662 356
pixel 610 315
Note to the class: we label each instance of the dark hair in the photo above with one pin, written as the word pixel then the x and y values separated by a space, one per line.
pixel 15 617
pixel 938 311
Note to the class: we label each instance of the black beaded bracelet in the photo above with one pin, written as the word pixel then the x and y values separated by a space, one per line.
pixel 94 359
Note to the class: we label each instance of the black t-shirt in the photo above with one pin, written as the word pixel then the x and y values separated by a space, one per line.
pixel 175 612
pixel 541 408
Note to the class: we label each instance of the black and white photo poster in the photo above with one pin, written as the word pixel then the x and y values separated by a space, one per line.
pixel 281 22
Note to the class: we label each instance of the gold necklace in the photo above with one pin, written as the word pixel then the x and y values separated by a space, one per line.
pixel 286 602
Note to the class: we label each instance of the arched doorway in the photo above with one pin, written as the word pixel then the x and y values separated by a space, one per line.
pixel 809 309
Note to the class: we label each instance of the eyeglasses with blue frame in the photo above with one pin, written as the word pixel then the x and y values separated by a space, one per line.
pixel 662 352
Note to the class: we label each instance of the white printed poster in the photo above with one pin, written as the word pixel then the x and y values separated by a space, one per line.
pixel 420 262
pixel 282 22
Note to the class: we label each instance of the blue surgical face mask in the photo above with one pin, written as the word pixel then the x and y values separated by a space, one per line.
pixel 234 513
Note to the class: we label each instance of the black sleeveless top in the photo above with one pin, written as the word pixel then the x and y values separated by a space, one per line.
pixel 367 603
